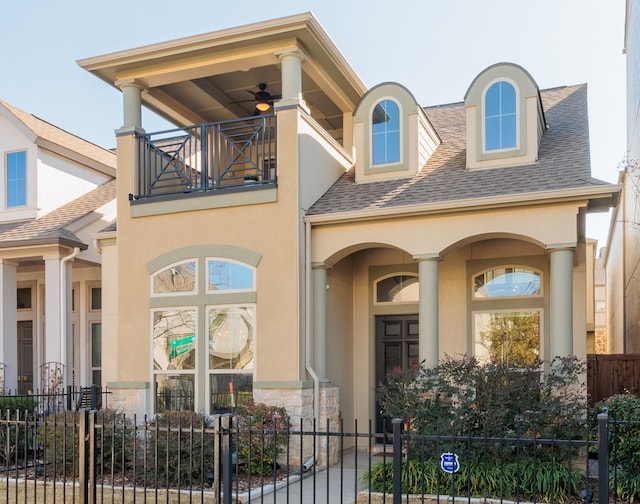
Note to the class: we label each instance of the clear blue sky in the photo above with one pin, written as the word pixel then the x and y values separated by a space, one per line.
pixel 433 47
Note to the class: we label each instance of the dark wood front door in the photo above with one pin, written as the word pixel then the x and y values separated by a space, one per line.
pixel 25 357
pixel 396 351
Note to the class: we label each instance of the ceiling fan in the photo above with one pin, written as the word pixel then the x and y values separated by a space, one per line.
pixel 263 99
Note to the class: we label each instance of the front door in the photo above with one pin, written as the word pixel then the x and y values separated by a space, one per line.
pixel 396 351
pixel 25 357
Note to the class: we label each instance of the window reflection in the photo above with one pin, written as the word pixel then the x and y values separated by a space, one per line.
pixel 229 275
pixel 507 282
pixel 386 132
pixel 174 339
pixel 176 278
pixel 500 116
pixel 231 337
pixel 397 289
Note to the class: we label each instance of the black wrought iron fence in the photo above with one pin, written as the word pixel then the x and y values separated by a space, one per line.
pixel 105 456
pixel 47 403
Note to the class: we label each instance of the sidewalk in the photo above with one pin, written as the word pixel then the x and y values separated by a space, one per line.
pixel 335 484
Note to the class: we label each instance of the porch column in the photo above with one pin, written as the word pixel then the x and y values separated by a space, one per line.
pixel 428 307
pixel 291 69
pixel 132 105
pixel 320 319
pixel 561 299
pixel 58 342
pixel 8 326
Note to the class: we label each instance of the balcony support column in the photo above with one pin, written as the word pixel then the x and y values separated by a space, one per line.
pixel 132 105
pixel 291 69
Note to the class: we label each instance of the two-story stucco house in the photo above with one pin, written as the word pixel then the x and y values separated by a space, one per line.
pixel 299 236
pixel 57 190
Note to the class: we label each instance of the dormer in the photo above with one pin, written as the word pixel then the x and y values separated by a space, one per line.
pixel 393 137
pixel 505 119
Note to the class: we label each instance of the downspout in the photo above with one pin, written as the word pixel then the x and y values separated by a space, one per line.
pixel 63 310
pixel 308 312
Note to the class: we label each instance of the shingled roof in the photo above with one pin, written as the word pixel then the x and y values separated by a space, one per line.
pixel 50 228
pixel 563 163
pixel 55 137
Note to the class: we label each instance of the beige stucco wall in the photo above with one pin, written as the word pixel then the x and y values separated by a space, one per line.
pixel 357 254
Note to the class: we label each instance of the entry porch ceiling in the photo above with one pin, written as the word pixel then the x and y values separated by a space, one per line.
pixel 201 78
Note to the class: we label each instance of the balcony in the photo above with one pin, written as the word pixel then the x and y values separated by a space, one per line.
pixel 220 157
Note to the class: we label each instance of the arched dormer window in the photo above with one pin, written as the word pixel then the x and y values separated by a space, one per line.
pixel 500 116
pixel 505 120
pixel 385 132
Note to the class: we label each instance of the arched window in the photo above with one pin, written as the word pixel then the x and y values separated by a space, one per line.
pixel 500 117
pixel 385 133
pixel 397 289
pixel 508 281
pixel 178 278
pixel 507 316
pixel 203 337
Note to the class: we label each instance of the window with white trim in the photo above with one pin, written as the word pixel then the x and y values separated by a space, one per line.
pixel 193 321
pixel 500 117
pixel 16 179
pixel 396 288
pixel 385 133
pixel 507 304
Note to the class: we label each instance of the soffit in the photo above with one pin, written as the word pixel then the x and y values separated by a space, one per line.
pixel 199 78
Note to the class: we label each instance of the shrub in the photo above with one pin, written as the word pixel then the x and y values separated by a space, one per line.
pixel 464 397
pixel 260 436
pixel 179 450
pixel 25 404
pixel 59 436
pixel 624 443
pixel 16 428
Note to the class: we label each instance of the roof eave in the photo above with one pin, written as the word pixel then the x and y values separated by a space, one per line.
pixel 583 196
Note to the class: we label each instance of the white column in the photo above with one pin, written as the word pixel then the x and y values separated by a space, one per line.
pixel 291 68
pixel 320 319
pixel 9 324
pixel 428 307
pixel 132 105
pixel 53 351
pixel 561 299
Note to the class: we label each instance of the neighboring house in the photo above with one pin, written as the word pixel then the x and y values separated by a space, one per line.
pixel 597 341
pixel 623 248
pixel 302 254
pixel 57 190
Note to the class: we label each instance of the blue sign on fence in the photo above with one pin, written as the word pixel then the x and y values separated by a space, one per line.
pixel 449 462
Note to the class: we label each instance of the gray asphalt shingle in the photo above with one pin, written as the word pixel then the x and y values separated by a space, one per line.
pixel 563 163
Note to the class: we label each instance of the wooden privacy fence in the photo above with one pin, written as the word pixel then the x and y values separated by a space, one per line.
pixel 612 374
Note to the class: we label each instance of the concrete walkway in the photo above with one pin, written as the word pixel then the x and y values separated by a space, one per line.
pixel 335 485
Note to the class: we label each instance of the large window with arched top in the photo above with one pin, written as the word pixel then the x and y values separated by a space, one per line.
pixel 385 132
pixel 507 315
pixel 401 288
pixel 203 334
pixel 500 116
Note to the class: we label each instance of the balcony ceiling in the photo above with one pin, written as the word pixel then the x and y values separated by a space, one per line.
pixel 201 78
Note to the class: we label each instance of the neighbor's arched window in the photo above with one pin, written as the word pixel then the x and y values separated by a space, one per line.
pixel 500 117
pixel 397 289
pixel 385 133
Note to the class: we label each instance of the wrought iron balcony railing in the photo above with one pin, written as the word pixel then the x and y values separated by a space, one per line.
pixel 224 156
